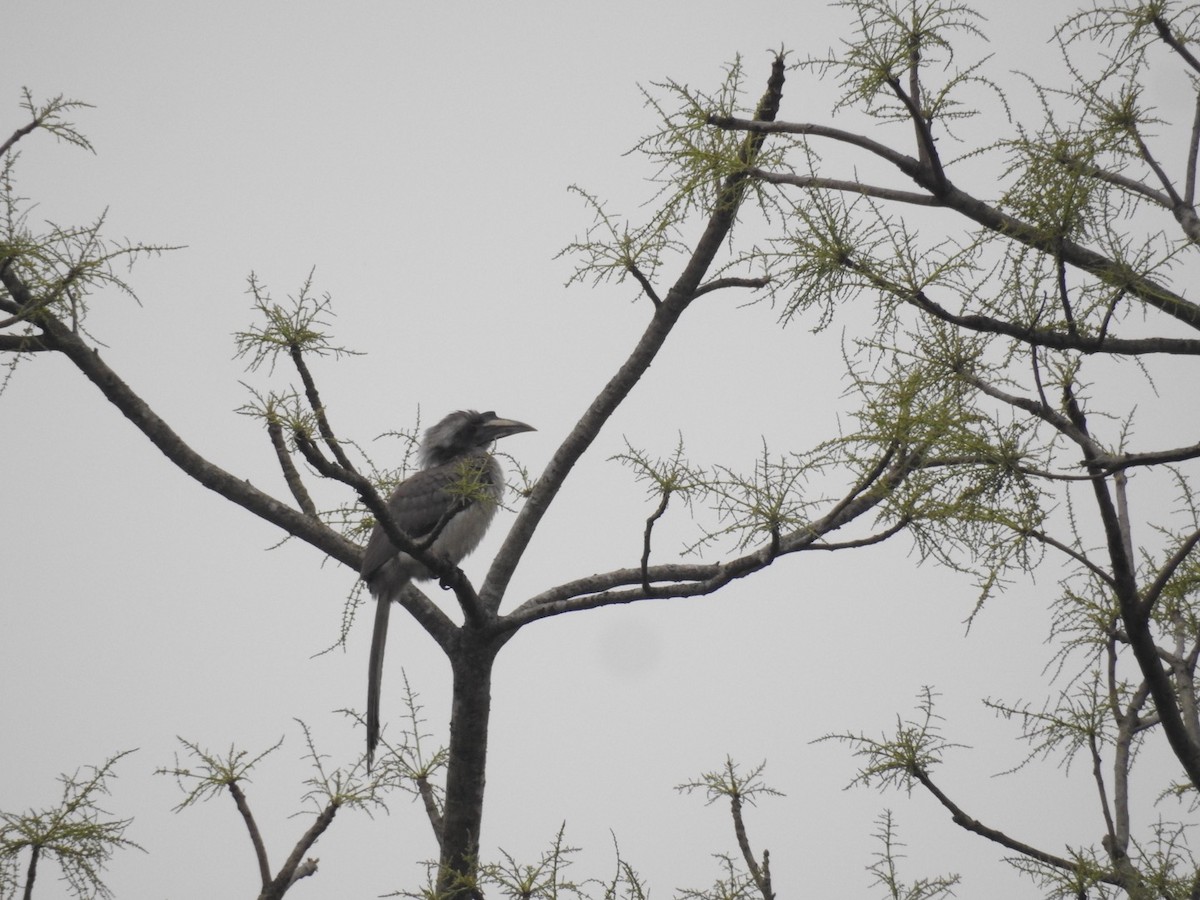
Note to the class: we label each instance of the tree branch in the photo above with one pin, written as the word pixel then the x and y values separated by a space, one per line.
pixel 852 187
pixel 318 408
pixel 1135 616
pixel 260 849
pixel 698 580
pixel 976 827
pixel 432 619
pixel 647 287
pixel 1109 271
pixel 57 336
pixel 290 475
pixel 425 789
pixel 761 875
pixel 718 284
pixel 1189 191
pixel 293 870
pixel 666 314
pixel 22 343
pixel 1056 340
pixel 1154 591
pixel 1163 27
pixel 1112 464
pixel 1052 417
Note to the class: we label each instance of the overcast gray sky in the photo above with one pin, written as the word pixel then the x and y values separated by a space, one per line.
pixel 419 155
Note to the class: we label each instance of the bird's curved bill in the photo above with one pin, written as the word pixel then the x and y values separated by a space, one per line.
pixel 498 428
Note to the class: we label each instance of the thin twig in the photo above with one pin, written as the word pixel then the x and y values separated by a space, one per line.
pixel 318 408
pixel 290 474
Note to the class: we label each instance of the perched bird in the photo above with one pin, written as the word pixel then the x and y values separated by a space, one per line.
pixel 446 506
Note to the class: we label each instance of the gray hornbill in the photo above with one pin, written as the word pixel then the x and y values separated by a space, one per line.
pixel 448 504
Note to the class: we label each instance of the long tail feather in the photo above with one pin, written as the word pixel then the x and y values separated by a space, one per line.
pixel 383 607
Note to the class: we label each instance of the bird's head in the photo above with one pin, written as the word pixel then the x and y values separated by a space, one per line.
pixel 463 431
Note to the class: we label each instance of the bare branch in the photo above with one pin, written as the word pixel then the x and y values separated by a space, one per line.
pixel 1119 462
pixel 698 580
pixel 851 187
pixel 653 518
pixel 718 284
pixel 1189 193
pixel 1163 27
pixel 1079 557
pixel 296 867
pixel 647 287
pixel 260 849
pixel 290 474
pixel 318 408
pixel 1133 185
pixel 927 146
pixel 1057 340
pixel 1052 417
pixel 22 343
pixel 975 826
pixel 429 800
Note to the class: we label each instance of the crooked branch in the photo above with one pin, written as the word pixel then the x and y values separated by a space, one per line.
pixel 990 217
pixel 976 827
pixel 666 314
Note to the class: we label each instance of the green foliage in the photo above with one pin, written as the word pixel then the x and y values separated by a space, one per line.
pixel 61 266
pixel 408 764
pixel 898 760
pixel 77 834
pixel 212 774
pixel 543 880
pixel 691 162
pixel 612 249
pixel 886 868
pixel 50 117
pixel 876 65
pixel 734 883
pixel 730 783
pixel 299 326
pixel 215 773
pixel 691 159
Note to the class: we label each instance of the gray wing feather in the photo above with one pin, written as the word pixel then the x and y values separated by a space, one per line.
pixel 417 505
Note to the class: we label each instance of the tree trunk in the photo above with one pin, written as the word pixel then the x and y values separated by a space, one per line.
pixel 471 660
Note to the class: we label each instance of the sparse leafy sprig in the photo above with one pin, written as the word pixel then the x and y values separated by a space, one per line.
pixel 729 783
pixel 692 158
pixel 975 498
pixel 886 869
pixel 612 249
pixel 1077 719
pixel 666 477
pixel 65 265
pixel 215 773
pixel 892 42
pixel 541 880
pixel 762 504
pixel 915 748
pixel 49 117
pixel 734 883
pixel 76 834
pixel 626 882
pixel 408 762
pixel 298 326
